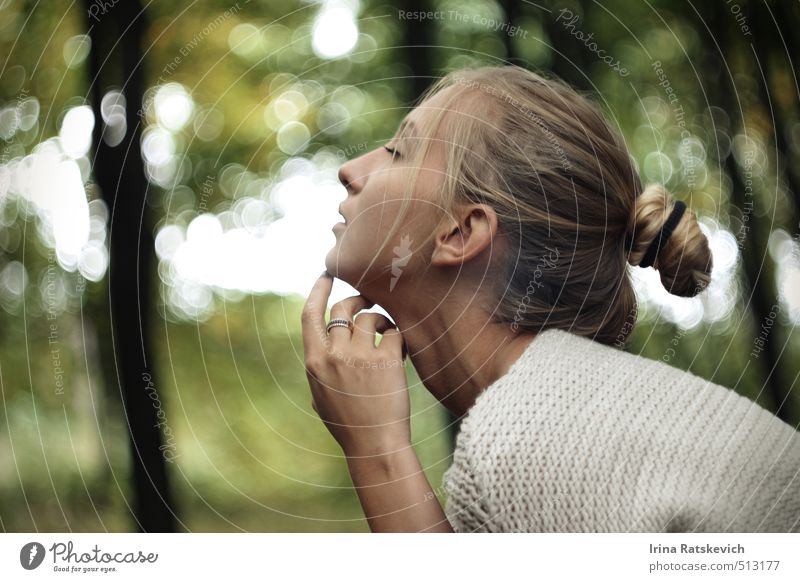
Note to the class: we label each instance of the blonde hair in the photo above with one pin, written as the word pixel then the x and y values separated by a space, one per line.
pixel 568 200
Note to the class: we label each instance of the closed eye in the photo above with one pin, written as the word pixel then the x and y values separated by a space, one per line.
pixel 392 151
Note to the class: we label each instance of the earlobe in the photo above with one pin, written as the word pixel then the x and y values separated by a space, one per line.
pixel 465 236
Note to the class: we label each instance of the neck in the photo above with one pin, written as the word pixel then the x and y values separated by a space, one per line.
pixel 456 350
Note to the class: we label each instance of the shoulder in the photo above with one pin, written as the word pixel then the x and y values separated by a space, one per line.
pixel 573 415
pixel 563 381
pixel 560 368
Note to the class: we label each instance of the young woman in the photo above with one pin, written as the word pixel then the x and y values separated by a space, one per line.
pixel 496 229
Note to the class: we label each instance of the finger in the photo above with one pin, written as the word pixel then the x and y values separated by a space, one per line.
pixel 367 325
pixel 393 341
pixel 346 309
pixel 313 316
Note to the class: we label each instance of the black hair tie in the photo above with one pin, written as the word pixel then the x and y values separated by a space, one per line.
pixel 664 234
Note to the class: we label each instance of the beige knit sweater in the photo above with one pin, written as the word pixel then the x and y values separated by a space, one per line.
pixel 582 437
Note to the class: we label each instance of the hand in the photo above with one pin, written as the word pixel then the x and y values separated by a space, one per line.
pixel 359 391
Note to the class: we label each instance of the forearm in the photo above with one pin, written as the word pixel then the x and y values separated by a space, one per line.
pixel 395 494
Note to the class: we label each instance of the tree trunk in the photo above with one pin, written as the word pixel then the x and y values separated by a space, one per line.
pixel 115 61
pixel 771 51
pixel 513 11
pixel 757 267
pixel 570 62
pixel 418 40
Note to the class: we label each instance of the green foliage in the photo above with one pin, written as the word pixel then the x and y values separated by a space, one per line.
pixel 250 453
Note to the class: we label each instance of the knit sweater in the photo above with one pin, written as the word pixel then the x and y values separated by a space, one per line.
pixel 579 436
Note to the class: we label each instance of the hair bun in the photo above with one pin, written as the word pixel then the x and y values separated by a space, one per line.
pixel 684 259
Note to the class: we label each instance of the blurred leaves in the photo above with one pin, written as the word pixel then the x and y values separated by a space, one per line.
pixel 252 97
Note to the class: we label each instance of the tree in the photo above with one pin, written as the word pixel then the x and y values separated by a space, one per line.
pixel 116 58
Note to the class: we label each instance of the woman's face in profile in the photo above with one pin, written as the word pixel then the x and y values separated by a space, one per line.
pixel 375 184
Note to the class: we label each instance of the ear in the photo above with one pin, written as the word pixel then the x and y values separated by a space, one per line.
pixel 464 235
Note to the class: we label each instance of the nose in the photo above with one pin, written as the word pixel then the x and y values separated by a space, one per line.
pixel 353 174
pixel 346 177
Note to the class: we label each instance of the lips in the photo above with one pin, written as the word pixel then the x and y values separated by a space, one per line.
pixel 342 214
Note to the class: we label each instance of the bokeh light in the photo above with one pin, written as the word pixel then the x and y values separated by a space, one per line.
pixel 335 30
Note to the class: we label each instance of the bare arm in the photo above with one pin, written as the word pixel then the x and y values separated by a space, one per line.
pixel 360 392
pixel 395 494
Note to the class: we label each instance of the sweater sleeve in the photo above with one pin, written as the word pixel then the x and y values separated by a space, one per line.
pixel 466 506
pixel 740 467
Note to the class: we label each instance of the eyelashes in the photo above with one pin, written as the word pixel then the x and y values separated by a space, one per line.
pixel 392 151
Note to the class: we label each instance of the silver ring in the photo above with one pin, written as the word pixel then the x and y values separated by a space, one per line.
pixel 338 323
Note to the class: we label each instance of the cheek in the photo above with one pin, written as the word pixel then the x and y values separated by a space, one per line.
pixel 361 240
pixel 374 215
pixel 375 218
pixel 357 245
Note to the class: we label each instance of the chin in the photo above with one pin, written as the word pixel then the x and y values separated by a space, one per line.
pixel 334 265
pixel 352 272
pixel 338 267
